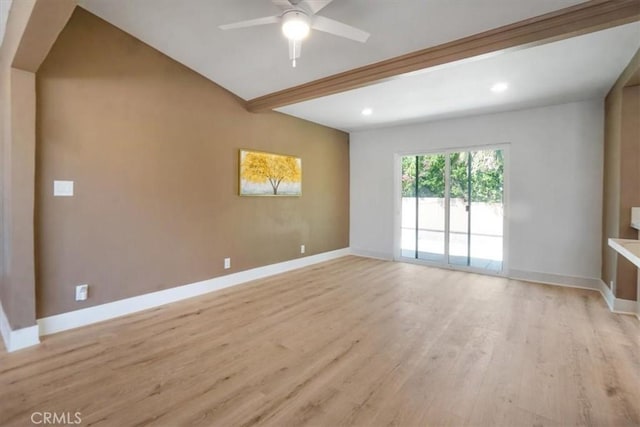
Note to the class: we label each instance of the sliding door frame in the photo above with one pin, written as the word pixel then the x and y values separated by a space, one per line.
pixel 397 233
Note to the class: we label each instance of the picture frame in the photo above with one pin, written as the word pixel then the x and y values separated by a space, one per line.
pixel 269 174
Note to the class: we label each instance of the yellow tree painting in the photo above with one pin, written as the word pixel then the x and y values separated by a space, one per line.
pixel 266 174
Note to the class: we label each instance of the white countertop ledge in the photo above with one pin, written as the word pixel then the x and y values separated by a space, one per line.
pixel 628 248
pixel 636 225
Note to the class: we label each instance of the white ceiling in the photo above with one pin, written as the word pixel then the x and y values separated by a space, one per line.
pixel 254 61
pixel 574 69
pixel 5 5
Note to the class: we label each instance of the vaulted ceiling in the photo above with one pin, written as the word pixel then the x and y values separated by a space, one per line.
pixel 253 62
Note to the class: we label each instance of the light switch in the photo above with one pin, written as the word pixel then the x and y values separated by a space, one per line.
pixel 63 188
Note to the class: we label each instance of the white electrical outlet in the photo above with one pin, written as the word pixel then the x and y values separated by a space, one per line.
pixel 227 263
pixel 82 292
pixel 301 249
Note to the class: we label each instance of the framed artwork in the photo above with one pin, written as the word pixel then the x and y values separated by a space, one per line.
pixel 268 174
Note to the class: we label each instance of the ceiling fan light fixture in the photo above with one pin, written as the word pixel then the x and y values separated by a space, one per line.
pixel 295 25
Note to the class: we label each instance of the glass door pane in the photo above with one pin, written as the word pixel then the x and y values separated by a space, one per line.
pixel 459 209
pixel 431 207
pixel 408 223
pixel 487 209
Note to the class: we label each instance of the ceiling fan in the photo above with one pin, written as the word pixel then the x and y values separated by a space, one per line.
pixel 298 17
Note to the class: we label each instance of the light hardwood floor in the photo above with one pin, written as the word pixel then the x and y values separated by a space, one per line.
pixel 350 342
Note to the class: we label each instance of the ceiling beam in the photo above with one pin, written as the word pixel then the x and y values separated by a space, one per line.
pixel 576 20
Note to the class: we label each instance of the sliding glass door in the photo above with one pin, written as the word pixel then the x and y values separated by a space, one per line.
pixel 452 208
pixel 423 210
pixel 458 199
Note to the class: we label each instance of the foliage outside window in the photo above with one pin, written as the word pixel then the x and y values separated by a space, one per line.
pixel 486 179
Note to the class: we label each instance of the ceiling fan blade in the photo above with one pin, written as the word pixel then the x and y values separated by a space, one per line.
pixel 315 6
pixel 283 4
pixel 336 28
pixel 251 23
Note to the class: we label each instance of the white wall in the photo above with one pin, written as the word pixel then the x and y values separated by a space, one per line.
pixel 555 163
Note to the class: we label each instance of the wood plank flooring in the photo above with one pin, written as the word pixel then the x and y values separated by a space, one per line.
pixel 353 341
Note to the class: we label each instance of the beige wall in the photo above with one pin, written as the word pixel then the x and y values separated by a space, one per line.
pixel 32 27
pixel 19 219
pixel 153 150
pixel 629 185
pixel 611 186
pixel 621 177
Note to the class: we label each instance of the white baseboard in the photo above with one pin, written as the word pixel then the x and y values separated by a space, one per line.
pixel 618 305
pixel 90 315
pixel 371 254
pixel 19 338
pixel 99 313
pixel 555 279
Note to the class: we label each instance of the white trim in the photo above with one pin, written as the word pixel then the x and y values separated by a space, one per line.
pixel 20 338
pixel 99 313
pixel 5 328
pixel 588 283
pixel 371 254
pixel 452 267
pixel 506 203
pixel 23 338
pixel 617 305
pixel 397 207
pixel 607 294
pixel 447 213
pixel 555 279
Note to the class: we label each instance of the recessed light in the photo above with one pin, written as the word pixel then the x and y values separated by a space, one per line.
pixel 367 112
pixel 499 87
